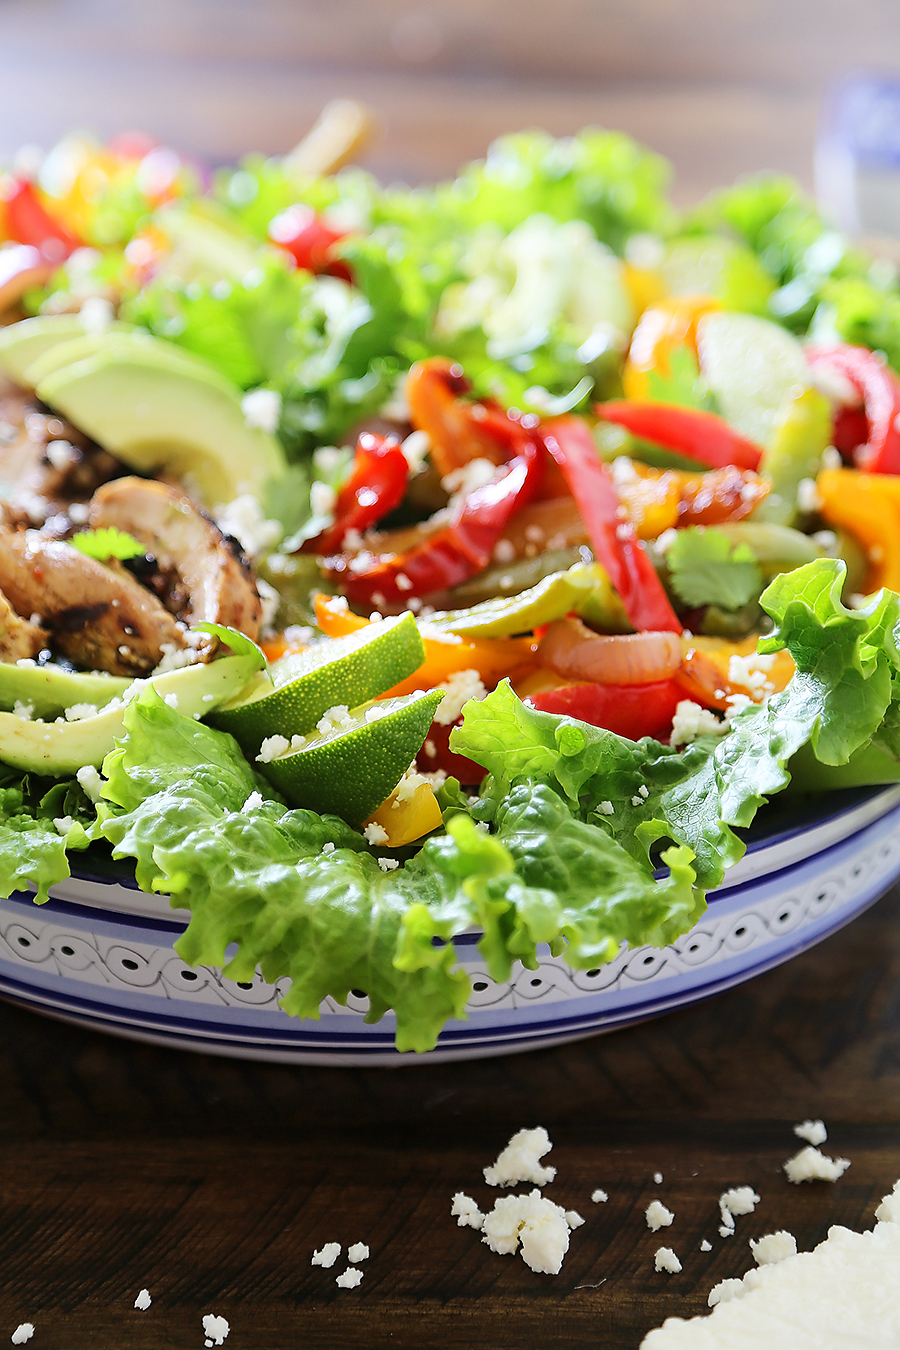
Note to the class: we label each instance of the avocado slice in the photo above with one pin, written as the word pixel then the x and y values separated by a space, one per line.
pixel 22 343
pixel 60 748
pixel 160 409
pixel 50 690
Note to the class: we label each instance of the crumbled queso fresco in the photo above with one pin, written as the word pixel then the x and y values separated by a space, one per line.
pixel 774 1247
pixel 810 1164
pixel 846 1292
pixel 658 1216
pixel 520 1160
pixel 215 1329
pixel 461 686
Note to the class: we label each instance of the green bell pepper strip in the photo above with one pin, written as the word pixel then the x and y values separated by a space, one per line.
pixel 584 589
pixel 795 454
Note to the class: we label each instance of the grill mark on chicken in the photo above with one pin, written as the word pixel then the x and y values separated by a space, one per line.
pixel 203 574
pixel 98 615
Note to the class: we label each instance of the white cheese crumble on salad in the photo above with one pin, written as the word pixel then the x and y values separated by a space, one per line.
pixel 520 1160
pixel 460 687
pixel 810 1164
pixel 691 720
pixel 375 834
pixel 658 1216
pixel 91 782
pixel 262 409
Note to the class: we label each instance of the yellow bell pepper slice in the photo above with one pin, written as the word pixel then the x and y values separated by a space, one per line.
pixel 868 505
pixel 645 286
pixel 405 821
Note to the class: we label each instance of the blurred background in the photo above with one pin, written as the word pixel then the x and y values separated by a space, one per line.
pixel 722 87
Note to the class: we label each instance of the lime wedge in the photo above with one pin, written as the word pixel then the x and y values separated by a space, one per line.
pixel 713 265
pixel 351 767
pixel 337 672
pixel 754 368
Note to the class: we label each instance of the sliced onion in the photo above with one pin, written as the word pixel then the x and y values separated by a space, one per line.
pixel 573 650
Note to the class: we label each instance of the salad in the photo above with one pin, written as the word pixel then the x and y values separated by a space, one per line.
pixel 380 564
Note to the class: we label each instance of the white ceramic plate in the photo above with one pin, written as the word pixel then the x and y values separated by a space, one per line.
pixel 100 953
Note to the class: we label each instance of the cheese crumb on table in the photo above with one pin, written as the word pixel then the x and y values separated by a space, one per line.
pixel 774 1247
pixel 844 1293
pixel 466 1212
pixel 23 1332
pixel 358 1252
pixel 350 1278
pixel 812 1165
pixel 705 1246
pixel 520 1160
pixel 143 1300
pixel 599 1197
pixel 327 1256
pixel 658 1216
pixel 665 1259
pixel 573 1218
pixel 216 1329
pixel 813 1131
pixel 732 1204
pixel 658 1178
pixel 533 1221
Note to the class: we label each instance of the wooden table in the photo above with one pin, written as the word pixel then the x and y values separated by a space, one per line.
pixel 211 1181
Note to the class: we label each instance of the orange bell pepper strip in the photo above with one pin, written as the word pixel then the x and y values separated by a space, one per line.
pixel 868 505
pixel 706 675
pixel 458 431
pixel 445 653
pixel 663 327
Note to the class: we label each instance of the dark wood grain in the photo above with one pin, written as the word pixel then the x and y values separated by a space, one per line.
pixel 211 1181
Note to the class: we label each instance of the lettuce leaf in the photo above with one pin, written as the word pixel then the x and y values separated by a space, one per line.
pixel 301 895
pixel 32 849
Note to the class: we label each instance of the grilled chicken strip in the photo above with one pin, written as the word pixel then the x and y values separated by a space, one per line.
pixel 19 637
pixel 45 464
pixel 100 617
pixel 214 583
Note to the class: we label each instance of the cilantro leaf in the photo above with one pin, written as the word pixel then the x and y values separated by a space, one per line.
pixel 107 543
pixel 705 569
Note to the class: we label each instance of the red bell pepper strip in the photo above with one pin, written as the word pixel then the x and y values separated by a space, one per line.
pixel 879 389
pixel 688 431
pixel 460 549
pixel 436 754
pixel 29 222
pixel 613 538
pixel 632 710
pixel 309 241
pixel 376 485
